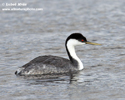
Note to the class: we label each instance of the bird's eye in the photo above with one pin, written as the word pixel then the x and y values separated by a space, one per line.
pixel 82 40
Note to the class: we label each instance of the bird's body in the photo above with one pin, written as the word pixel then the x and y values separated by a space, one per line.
pixel 49 64
pixel 44 65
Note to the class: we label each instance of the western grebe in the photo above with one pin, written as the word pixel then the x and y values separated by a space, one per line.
pixel 48 64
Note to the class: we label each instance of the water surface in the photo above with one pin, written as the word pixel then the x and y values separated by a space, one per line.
pixel 28 34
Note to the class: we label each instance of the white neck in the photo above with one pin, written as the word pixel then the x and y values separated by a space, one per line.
pixel 71 48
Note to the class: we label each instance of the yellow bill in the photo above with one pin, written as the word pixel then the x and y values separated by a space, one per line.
pixel 93 43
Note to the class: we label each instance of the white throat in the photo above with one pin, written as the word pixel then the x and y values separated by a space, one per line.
pixel 71 48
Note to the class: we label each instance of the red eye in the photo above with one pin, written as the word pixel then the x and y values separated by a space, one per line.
pixel 82 40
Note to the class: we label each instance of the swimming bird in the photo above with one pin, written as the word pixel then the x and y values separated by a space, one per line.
pixel 48 64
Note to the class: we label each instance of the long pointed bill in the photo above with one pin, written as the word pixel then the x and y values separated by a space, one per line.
pixel 92 43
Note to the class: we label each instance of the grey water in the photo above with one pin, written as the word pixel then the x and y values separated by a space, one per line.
pixel 25 35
